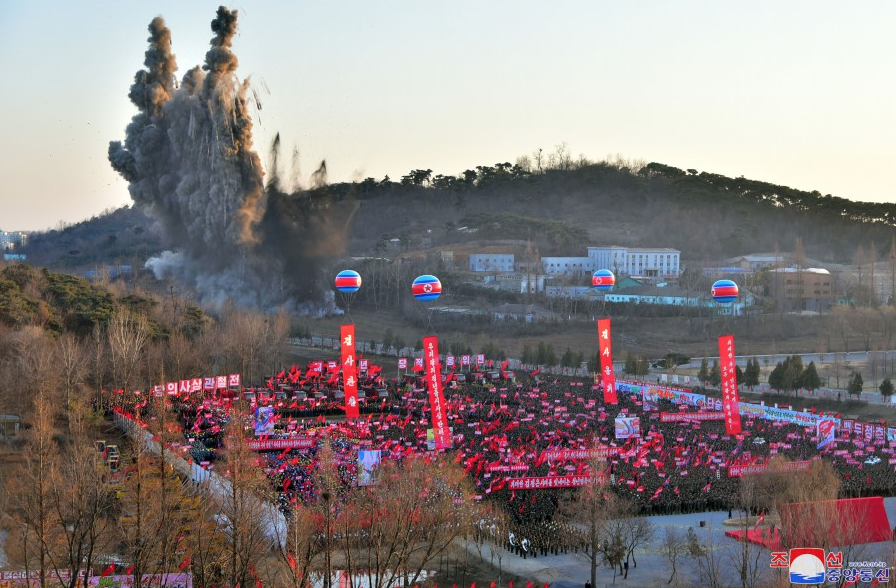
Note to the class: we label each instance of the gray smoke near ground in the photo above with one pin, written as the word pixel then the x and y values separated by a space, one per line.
pixel 189 160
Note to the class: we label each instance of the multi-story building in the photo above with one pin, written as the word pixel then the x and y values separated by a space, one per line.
pixel 491 262
pixel 623 261
pixel 13 240
pixel 566 266
pixel 663 263
pixel 802 289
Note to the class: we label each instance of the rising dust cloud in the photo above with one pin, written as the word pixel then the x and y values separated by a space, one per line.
pixel 189 160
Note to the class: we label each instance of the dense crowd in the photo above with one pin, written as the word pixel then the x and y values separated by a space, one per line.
pixel 507 430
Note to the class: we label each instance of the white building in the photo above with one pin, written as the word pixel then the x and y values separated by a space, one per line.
pixel 637 261
pixel 622 261
pixel 491 262
pixel 566 266
pixel 12 239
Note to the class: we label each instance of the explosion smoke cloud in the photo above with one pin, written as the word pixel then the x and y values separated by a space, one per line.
pixel 189 160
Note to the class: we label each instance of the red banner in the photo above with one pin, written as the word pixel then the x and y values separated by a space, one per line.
pixel 730 400
pixel 607 378
pixel 552 482
pixel 349 371
pixel 436 402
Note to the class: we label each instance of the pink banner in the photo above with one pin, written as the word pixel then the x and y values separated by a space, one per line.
pixel 730 400
pixel 596 453
pixel 607 379
pixel 678 417
pixel 349 375
pixel 551 482
pixel 276 444
pixel 439 417
pixel 793 466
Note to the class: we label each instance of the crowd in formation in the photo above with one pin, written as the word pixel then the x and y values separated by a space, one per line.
pixel 540 428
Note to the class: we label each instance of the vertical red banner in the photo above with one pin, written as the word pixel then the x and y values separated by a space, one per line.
pixel 730 399
pixel 439 418
pixel 349 370
pixel 607 378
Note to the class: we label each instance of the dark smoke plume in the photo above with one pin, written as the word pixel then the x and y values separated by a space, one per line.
pixel 189 161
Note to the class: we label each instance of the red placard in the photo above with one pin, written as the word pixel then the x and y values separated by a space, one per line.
pixel 730 400
pixel 607 379
pixel 349 371
pixel 439 418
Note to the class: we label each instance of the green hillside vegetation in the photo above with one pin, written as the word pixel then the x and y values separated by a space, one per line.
pixel 62 303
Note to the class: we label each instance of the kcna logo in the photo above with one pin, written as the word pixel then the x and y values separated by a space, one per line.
pixel 810 565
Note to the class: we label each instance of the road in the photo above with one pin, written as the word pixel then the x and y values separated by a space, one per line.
pixel 852 356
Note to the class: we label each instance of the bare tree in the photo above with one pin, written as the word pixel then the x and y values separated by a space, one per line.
pixel 707 556
pixel 242 506
pixel 128 335
pixel 31 493
pixel 416 510
pixel 673 547
pixel 72 370
pixel 591 508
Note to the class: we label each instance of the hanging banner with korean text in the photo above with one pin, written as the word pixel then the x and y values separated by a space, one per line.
pixel 730 400
pixel 349 372
pixel 436 402
pixel 607 379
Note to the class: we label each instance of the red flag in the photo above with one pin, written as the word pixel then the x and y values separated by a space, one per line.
pixel 129 570
pixel 607 379
pixel 183 565
pixel 292 560
pixel 761 518
pixel 730 400
pixel 110 569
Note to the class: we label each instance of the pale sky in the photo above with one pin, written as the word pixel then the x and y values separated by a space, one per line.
pixel 793 93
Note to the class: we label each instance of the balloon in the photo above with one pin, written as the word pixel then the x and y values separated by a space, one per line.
pixel 724 291
pixel 348 281
pixel 603 280
pixel 426 288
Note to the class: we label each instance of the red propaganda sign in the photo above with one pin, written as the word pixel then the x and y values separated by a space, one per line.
pixel 436 402
pixel 171 388
pixel 402 363
pixel 220 382
pixel 233 380
pixel 362 365
pixel 607 379
pixel 449 361
pixel 730 400
pixel 349 375
pixel 480 359
pixel 464 360
pixel 184 387
pixel 208 384
pixel 196 385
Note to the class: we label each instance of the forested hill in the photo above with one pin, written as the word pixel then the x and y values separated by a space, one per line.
pixel 707 216
pixel 561 209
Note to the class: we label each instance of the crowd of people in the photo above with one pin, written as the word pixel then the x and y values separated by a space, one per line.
pixel 540 428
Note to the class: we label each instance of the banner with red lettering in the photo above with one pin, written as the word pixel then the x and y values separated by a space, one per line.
pixel 607 379
pixel 544 482
pixel 349 375
pixel 436 402
pixel 730 400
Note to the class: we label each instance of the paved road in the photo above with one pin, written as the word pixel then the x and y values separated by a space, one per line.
pixel 852 356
